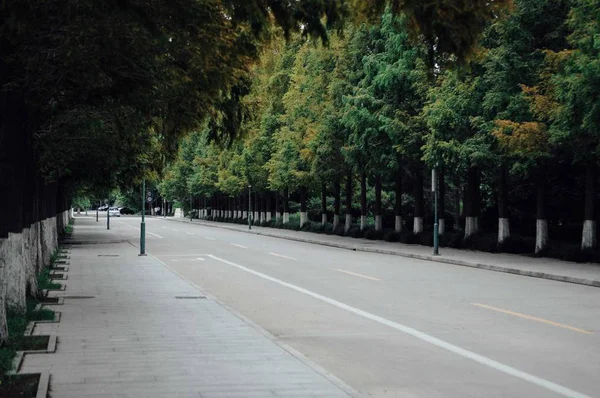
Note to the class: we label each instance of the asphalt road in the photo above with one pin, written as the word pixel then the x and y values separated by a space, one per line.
pixel 391 326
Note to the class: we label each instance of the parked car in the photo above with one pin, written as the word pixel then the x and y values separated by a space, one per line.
pixel 103 208
pixel 126 210
pixel 114 212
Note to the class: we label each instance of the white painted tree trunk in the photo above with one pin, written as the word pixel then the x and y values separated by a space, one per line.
pixel 378 223
pixel 303 218
pixel 348 223
pixel 503 229
pixel 441 226
pixel 286 217
pixel 541 235
pixel 16 273
pixel 244 214
pixel 588 237
pixel 418 225
pixel 323 218
pixel 398 224
pixel 471 226
pixel 336 221
pixel 268 216
pixel 263 216
pixel 363 222
pixel 277 216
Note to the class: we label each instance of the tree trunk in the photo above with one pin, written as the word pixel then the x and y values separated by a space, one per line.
pixel 269 207
pixel 378 209
pixel 541 230
pixel 286 206
pixel 503 219
pixel 418 222
pixel 398 203
pixel 441 201
pixel 472 205
pixel 277 205
pixel 303 213
pixel 336 202
pixel 363 200
pixel 588 237
pixel 323 203
pixel 348 223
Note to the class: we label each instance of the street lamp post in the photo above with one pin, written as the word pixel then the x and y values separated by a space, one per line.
pixel 143 224
pixel 436 238
pixel 249 206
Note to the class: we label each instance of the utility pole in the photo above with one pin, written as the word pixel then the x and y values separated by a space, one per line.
pixel 436 238
pixel 143 224
pixel 249 206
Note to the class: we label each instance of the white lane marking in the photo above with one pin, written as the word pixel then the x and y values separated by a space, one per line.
pixel 190 233
pixel 199 258
pixel 176 230
pixel 209 238
pixel 359 275
pixel 180 255
pixel 240 246
pixel 174 260
pixel 557 388
pixel 164 227
pixel 282 256
pixel 149 233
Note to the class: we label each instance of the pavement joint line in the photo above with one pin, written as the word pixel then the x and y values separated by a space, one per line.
pixel 357 274
pixel 436 259
pixel 286 347
pixel 282 256
pixel 483 360
pixel 533 318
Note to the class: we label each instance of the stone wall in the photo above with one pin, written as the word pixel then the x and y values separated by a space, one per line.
pixel 22 256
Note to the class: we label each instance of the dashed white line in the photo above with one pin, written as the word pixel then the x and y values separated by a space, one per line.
pixel 236 245
pixel 176 230
pixel 190 233
pixel 483 360
pixel 209 238
pixel 359 275
pixel 282 256
pixel 199 259
pixel 149 233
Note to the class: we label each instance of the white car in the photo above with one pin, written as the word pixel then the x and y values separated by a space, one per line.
pixel 114 212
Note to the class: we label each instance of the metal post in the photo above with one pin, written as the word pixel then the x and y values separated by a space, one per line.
pixel 108 215
pixel 436 238
pixel 164 208
pixel 191 205
pixel 143 224
pixel 97 212
pixel 249 206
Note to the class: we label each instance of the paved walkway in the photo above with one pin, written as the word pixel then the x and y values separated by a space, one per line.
pixel 132 328
pixel 547 268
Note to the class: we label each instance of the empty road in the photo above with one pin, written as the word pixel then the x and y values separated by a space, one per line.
pixel 391 326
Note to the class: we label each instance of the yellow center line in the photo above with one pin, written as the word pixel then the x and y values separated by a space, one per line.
pixel 359 275
pixel 533 318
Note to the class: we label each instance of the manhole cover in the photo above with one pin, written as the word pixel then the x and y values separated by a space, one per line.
pixel 190 297
pixel 108 255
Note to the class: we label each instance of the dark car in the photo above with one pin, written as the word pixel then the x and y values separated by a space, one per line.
pixel 126 210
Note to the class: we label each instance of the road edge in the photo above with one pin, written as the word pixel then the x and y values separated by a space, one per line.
pixel 437 259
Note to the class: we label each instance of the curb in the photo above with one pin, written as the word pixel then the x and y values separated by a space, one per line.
pixel 437 259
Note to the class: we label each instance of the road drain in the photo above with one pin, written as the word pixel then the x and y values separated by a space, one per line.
pixel 190 297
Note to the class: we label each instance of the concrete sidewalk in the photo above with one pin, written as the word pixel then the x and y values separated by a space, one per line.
pixel 546 268
pixel 130 327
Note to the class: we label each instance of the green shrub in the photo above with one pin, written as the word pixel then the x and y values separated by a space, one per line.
pixel 373 234
pixel 355 232
pixel 391 236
